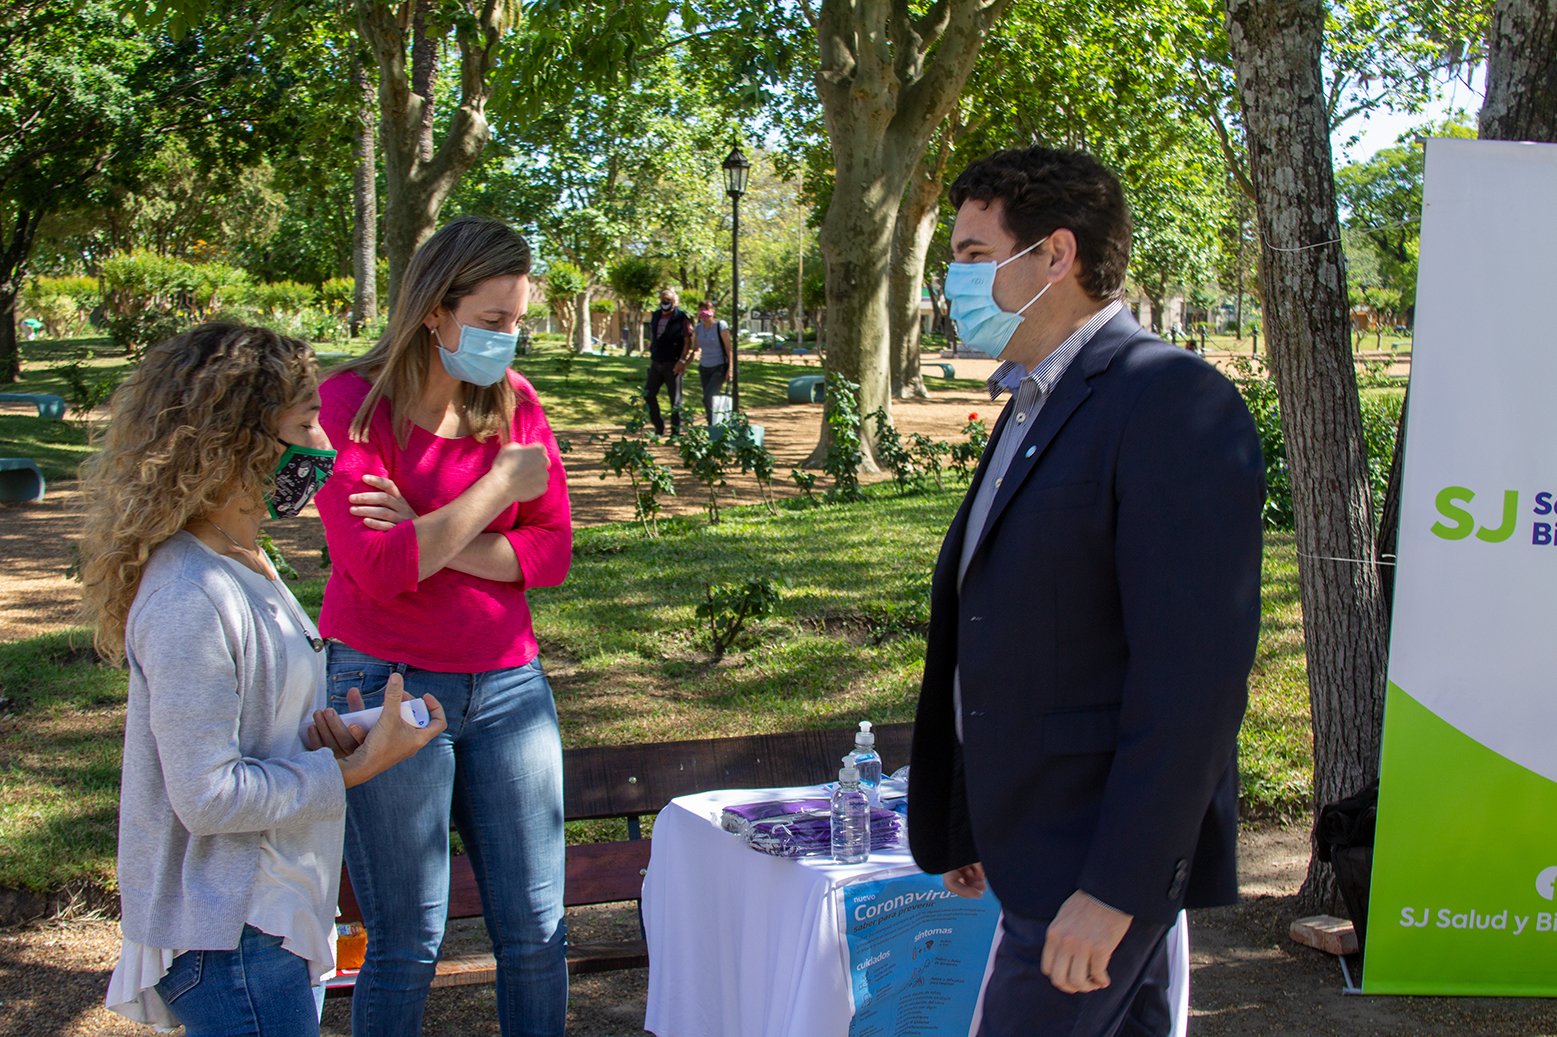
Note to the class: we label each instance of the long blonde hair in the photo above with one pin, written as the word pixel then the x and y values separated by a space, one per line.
pixel 193 428
pixel 449 266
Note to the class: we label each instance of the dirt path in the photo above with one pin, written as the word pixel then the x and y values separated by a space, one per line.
pixel 1247 978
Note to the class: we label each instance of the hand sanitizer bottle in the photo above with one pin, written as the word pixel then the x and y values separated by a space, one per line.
pixel 867 763
pixel 850 818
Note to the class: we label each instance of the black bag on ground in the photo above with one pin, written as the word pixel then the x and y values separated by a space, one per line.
pixel 1345 836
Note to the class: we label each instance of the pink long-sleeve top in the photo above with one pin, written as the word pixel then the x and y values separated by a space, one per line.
pixel 450 622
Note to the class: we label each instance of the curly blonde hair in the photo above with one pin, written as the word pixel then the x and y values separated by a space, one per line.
pixel 193 428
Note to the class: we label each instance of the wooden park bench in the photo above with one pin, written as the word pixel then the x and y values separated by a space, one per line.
pixel 633 782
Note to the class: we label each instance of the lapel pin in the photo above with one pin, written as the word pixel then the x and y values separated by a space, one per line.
pixel 1031 451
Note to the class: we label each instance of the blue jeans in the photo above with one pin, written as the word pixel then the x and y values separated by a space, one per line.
pixel 498 769
pixel 257 990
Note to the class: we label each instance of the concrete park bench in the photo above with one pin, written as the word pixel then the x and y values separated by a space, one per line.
pixel 947 370
pixel 20 480
pixel 808 388
pixel 49 405
pixel 632 782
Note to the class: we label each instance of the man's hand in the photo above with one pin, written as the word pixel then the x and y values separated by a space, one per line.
pixel 1080 943
pixel 966 881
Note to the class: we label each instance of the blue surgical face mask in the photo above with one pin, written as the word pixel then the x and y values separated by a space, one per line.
pixel 483 356
pixel 970 294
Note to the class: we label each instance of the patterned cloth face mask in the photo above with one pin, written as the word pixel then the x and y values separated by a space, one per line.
pixel 483 356
pixel 299 474
pixel 970 295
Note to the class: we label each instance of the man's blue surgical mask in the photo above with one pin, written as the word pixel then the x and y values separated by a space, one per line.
pixel 483 356
pixel 970 294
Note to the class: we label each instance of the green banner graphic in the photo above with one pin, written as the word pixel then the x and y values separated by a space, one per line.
pixel 1465 865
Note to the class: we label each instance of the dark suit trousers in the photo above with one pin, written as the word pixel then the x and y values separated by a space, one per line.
pixel 663 372
pixel 1019 1000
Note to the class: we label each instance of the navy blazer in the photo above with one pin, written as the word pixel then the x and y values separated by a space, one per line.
pixel 1105 630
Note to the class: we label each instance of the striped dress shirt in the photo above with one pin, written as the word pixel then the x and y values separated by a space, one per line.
pixel 1032 389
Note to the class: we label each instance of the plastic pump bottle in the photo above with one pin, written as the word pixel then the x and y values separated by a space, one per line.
pixel 867 762
pixel 850 818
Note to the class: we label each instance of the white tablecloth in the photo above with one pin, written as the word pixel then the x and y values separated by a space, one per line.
pixel 744 943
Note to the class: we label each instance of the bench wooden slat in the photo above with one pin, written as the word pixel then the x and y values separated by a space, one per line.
pixel 604 873
pixel 618 780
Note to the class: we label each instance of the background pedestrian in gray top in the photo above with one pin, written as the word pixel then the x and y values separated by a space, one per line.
pixel 713 362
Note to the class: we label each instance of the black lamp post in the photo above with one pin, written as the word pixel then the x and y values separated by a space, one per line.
pixel 735 169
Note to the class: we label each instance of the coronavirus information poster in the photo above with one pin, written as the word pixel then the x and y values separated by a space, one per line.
pixel 1465 862
pixel 917 955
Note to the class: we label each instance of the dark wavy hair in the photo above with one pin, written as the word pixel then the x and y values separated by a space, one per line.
pixel 1046 189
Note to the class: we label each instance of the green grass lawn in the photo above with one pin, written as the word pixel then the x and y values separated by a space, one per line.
pixel 629 662
pixel 57 447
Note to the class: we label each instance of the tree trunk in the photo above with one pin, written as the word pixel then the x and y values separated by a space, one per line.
pixel 800 294
pixel 1154 299
pixel 1276 47
pixel 1521 101
pixel 582 325
pixel 939 321
pixel 886 80
pixel 857 248
pixel 419 173
pixel 911 239
pixel 10 349
pixel 13 267
pixel 364 240
pixel 635 331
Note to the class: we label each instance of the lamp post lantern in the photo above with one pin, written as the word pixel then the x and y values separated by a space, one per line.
pixel 736 169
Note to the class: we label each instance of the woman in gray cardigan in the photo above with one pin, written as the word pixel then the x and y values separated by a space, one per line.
pixel 230 814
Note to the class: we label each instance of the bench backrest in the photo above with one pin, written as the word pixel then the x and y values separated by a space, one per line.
pixel 628 780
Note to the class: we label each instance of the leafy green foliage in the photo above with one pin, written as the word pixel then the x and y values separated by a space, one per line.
pixel 890 451
pixel 1259 395
pixel 929 456
pixel 87 390
pixel 284 568
pixel 1382 197
pixel 61 304
pixel 1380 422
pixel 709 458
pixel 965 455
pixel 274 298
pixel 843 447
pixel 752 456
pixel 631 456
pixel 147 297
pixel 728 606
pixel 806 481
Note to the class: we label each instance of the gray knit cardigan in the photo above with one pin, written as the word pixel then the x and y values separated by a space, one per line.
pixel 200 784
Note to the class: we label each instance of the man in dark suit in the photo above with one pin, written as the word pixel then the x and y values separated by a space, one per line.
pixel 1094 613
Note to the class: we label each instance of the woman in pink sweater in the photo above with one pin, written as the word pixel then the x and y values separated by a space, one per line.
pixel 449 501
